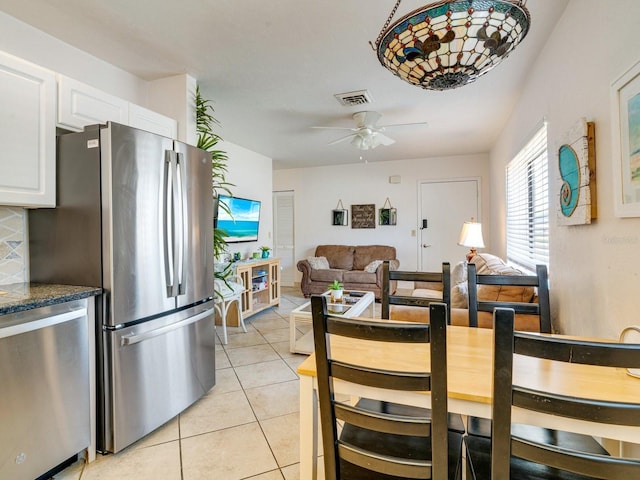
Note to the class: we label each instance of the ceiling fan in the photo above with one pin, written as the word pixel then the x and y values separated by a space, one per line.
pixel 367 134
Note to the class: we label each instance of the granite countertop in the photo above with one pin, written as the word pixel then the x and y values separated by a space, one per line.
pixel 17 297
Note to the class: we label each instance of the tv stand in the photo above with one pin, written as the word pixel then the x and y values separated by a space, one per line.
pixel 261 278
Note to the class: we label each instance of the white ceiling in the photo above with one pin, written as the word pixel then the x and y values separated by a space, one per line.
pixel 272 68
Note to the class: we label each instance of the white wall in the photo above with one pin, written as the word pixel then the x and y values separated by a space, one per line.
pixel 594 272
pixel 251 176
pixel 317 191
pixel 175 97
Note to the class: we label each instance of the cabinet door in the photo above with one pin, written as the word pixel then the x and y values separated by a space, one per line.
pixel 80 105
pixel 27 134
pixel 244 272
pixel 145 119
pixel 274 282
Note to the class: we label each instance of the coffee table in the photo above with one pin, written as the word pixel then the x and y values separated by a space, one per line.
pixel 354 305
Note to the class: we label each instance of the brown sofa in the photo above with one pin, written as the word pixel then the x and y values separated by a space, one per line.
pixel 486 264
pixel 356 267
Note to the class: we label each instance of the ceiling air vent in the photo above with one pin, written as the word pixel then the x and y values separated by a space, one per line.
pixel 352 99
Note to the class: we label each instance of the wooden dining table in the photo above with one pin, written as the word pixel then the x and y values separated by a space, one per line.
pixel 469 369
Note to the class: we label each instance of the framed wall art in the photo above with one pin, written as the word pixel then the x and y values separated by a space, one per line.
pixel 387 215
pixel 363 216
pixel 576 195
pixel 339 216
pixel 625 128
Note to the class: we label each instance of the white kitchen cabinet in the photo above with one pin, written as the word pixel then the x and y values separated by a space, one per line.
pixel 80 105
pixel 145 119
pixel 27 133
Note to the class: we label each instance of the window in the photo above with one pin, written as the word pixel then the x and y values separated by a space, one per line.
pixel 528 205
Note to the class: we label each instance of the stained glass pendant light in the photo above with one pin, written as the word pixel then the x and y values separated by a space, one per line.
pixel 449 44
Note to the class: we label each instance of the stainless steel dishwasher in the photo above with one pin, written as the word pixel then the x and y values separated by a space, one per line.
pixel 44 388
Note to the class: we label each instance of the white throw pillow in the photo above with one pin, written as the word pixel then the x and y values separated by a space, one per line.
pixel 373 266
pixel 318 263
pixel 459 294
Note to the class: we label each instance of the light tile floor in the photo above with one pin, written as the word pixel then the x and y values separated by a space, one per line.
pixel 246 427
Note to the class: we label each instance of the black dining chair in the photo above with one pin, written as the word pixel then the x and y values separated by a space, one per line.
pixel 389 296
pixel 477 426
pixel 511 453
pixel 540 281
pixel 456 423
pixel 360 443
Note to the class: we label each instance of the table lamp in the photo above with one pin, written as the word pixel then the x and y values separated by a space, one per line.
pixel 471 236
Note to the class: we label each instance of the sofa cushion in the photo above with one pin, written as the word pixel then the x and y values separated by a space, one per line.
pixel 359 276
pixel 427 293
pixel 460 317
pixel 487 264
pixel 339 256
pixel 405 313
pixel 365 254
pixel 373 266
pixel 318 263
pixel 328 275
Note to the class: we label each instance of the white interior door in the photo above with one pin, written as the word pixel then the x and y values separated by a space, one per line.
pixel 444 206
pixel 283 237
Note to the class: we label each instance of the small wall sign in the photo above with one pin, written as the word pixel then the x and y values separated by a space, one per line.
pixel 363 216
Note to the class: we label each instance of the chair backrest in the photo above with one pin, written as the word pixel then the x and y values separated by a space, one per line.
pixel 432 378
pixel 228 288
pixel 389 298
pixel 506 394
pixel 540 280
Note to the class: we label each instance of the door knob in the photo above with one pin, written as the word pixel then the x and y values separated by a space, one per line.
pixel 424 245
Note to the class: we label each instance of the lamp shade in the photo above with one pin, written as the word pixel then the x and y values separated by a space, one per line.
pixel 471 235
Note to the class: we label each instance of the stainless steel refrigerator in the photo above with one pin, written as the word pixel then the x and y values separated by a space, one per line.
pixel 134 216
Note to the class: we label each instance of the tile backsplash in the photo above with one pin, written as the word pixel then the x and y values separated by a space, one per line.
pixel 13 245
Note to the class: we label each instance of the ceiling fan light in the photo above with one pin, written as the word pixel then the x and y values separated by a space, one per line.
pixel 451 43
pixel 375 140
pixel 358 142
pixel 365 142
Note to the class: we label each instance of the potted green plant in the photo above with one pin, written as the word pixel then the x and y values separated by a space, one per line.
pixel 265 251
pixel 208 140
pixel 336 291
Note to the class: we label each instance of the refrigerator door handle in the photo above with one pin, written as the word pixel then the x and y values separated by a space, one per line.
pixel 182 233
pixel 133 339
pixel 168 196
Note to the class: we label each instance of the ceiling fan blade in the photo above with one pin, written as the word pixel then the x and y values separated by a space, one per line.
pixel 337 128
pixel 342 139
pixel 402 125
pixel 366 119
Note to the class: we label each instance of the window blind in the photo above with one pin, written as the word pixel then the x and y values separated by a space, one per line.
pixel 528 205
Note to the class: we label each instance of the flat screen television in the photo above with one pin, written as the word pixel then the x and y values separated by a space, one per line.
pixel 240 221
